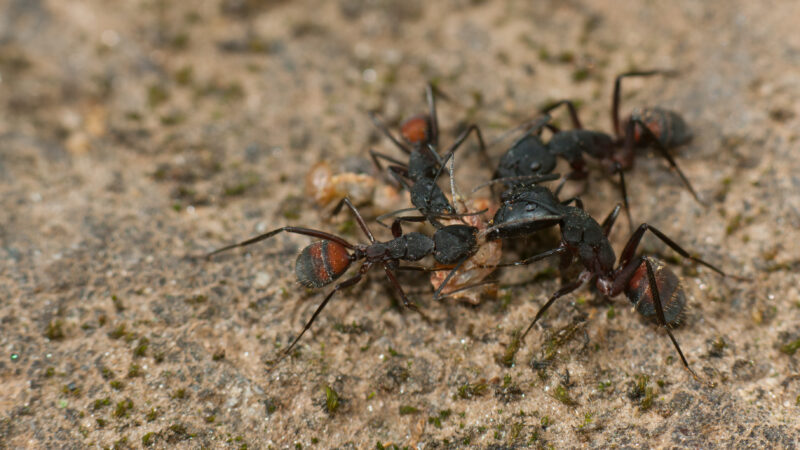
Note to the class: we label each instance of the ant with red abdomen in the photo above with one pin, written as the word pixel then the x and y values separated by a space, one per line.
pixel 651 286
pixel 325 261
pixel 421 136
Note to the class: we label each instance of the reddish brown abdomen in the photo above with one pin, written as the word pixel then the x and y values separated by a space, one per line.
pixel 669 287
pixel 415 130
pixel 667 126
pixel 321 263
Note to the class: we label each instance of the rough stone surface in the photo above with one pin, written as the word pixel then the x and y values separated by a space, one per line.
pixel 136 136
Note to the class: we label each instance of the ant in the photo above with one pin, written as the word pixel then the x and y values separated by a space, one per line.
pixel 644 280
pixel 658 127
pixel 325 261
pixel 421 133
pixel 478 264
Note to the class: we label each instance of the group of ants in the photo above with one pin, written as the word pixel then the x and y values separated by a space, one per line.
pixel 525 208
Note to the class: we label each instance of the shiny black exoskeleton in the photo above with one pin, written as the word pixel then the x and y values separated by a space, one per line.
pixel 652 287
pixel 525 210
pixel 656 127
pixel 420 141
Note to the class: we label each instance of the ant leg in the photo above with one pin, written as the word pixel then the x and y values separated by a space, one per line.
pixel 509 132
pixel 337 209
pixel 573 113
pixel 466 288
pixel 434 118
pixel 421 268
pixel 436 295
pixel 561 184
pixel 665 154
pixel 393 280
pixel 615 97
pixel 295 230
pixel 453 196
pixel 535 128
pixel 660 314
pixel 359 219
pixel 380 218
pixel 398 173
pixel 532 259
pixel 482 145
pixel 636 238
pixel 385 130
pixel 608 223
pixel 397 228
pixel 576 199
pixel 346 283
pixel 376 157
pixel 553 129
pixel 618 169
pixel 558 294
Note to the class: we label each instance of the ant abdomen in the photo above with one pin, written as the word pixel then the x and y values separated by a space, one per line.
pixel 321 263
pixel 416 130
pixel 667 126
pixel 669 287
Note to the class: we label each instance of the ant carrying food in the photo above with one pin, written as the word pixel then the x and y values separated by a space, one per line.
pixel 325 261
pixel 477 265
pixel 657 127
pixel 651 286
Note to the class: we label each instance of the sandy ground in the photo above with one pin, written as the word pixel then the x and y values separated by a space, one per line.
pixel 136 136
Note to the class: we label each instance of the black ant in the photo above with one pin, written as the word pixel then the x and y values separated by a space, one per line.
pixel 419 176
pixel 421 133
pixel 658 127
pixel 325 261
pixel 644 280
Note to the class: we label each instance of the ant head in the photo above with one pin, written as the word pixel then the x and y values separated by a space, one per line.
pixel 321 263
pixel 416 130
pixel 525 210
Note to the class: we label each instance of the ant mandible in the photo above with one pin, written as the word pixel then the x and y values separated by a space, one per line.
pixel 325 261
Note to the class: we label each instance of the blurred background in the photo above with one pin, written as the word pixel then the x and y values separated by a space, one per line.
pixel 135 136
